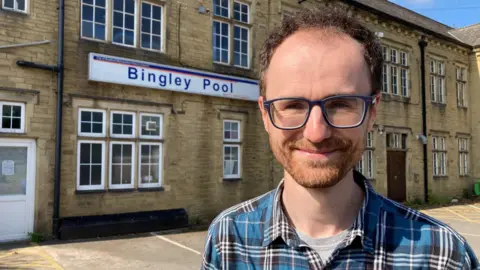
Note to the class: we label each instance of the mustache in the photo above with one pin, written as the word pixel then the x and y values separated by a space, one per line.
pixel 326 145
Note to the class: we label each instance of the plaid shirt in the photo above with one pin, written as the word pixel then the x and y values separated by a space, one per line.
pixel 385 235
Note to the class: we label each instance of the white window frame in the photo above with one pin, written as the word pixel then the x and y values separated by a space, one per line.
pixel 395 62
pixel 463 156
pixel 106 7
pixel 220 5
pixel 160 166
pixel 90 134
pixel 241 4
pixel 240 40
pixel 437 81
pixel 394 79
pixel 439 154
pixel 366 164
pixel 162 34
pixel 229 52
pixel 461 86
pixel 385 78
pixel 134 125
pixel 110 166
pixel 15 7
pixel 160 135
pixel 232 176
pixel 135 25
pixel 239 130
pixel 91 187
pixel 22 117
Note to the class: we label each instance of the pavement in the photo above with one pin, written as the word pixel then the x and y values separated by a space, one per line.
pixel 172 251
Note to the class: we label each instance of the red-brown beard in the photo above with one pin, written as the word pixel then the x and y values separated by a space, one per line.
pixel 314 173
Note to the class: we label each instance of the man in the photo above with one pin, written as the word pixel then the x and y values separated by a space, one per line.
pixel 320 83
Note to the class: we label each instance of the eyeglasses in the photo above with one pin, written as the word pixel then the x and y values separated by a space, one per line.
pixel 339 111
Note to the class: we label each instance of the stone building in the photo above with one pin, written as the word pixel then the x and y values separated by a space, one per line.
pixel 160 125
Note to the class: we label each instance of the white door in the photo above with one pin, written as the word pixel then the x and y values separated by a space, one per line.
pixel 17 188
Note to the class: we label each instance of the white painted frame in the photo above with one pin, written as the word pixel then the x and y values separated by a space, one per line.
pixel 229 52
pixel 160 135
pixel 110 169
pixel 30 189
pixel 15 7
pixel 134 123
pixel 160 166
pixel 239 130
pixel 91 187
pixel 241 4
pixel 162 22
pixel 22 119
pixel 230 176
pixel 248 45
pixel 90 134
pixel 105 24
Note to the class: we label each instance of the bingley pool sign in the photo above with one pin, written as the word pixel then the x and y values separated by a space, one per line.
pixel 104 68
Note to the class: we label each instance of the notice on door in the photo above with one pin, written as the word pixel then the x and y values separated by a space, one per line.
pixel 8 167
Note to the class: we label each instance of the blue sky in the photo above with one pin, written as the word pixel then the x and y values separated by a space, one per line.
pixel 454 13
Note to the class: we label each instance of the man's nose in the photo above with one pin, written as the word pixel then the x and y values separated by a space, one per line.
pixel 316 129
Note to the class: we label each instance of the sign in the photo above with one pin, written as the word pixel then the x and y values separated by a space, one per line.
pixel 8 167
pixel 112 69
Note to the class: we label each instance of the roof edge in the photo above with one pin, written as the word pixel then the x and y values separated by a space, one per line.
pixel 407 23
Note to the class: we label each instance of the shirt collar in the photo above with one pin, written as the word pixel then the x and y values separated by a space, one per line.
pixel 364 226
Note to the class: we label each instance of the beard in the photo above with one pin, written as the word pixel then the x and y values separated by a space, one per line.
pixel 319 173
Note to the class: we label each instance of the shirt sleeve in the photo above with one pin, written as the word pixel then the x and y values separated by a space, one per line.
pixel 211 257
pixel 471 260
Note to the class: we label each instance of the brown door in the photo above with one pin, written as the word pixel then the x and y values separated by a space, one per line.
pixel 397 185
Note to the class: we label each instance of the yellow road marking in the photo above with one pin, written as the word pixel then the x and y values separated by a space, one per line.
pixel 6 255
pixel 462 216
pixel 474 207
pixel 469 234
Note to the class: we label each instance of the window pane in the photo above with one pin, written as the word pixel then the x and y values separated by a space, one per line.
pixel 224 12
pixel 117 129
pixel 236 58
pixel 84 175
pixel 84 153
pixel 96 174
pixel 118 4
pixel 224 56
pixel 126 174
pixel 236 46
pixel 97 128
pixel 21 4
pixel 156 42
pixel 100 31
pixel 146 9
pixel 100 15
pixel 116 174
pixel 146 25
pixel 117 35
pixel 9 3
pixel 118 19
pixel 16 123
pixel 100 3
pixel 127 153
pixel 244 60
pixel 7 110
pixel 85 127
pixel 130 6
pixel 145 173
pixel 245 18
pixel 244 47
pixel 155 151
pixel 236 32
pixel 129 21
pixel 97 116
pixel 6 122
pixel 146 41
pixel 157 13
pixel 116 153
pixel 244 35
pixel 128 130
pixel 96 153
pixel 85 116
pixel 156 27
pixel 117 118
pixel 245 9
pixel 224 43
pixel 129 38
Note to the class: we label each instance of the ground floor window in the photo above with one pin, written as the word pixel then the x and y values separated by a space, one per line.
pixel 231 149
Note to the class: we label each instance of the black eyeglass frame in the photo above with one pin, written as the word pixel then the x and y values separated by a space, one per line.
pixel 368 100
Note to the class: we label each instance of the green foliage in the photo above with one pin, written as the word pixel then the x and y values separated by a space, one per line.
pixel 36 237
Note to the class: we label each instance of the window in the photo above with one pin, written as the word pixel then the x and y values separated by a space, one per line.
pixel 12 117
pixel 92 123
pixel 15 5
pixel 238 23
pixel 396 140
pixel 151 26
pixel 437 81
pixel 150 168
pixel 93 16
pixel 150 126
pixel 365 165
pixel 463 160
pixel 124 22
pixel 133 158
pixel 395 72
pixel 461 87
pixel 90 168
pixel 439 156
pixel 231 149
pixel 122 124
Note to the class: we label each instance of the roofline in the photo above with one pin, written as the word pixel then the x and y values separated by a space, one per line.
pixel 407 23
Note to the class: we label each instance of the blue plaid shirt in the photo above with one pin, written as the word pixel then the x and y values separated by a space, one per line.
pixel 385 235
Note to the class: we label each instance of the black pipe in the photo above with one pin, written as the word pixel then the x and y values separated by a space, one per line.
pixel 59 116
pixel 22 63
pixel 422 43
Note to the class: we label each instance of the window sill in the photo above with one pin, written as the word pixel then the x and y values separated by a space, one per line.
pixel 396 98
pixel 121 190
pixel 462 107
pixel 440 177
pixel 19 12
pixel 438 104
pixel 151 189
pixel 89 191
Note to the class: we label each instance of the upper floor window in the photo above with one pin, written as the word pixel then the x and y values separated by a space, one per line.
pixel 461 86
pixel 463 159
pixel 395 72
pixel 231 149
pixel 131 20
pixel 231 33
pixel 12 117
pixel 92 123
pixel 15 5
pixel 439 158
pixel 437 81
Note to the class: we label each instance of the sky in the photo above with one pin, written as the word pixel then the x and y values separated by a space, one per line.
pixel 454 13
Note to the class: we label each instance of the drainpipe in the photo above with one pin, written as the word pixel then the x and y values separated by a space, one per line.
pixel 58 137
pixel 422 43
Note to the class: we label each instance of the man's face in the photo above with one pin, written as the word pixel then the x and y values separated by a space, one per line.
pixel 313 64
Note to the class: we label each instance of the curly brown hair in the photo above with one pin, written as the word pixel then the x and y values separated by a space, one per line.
pixel 325 18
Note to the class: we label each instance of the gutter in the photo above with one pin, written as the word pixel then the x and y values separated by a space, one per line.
pixel 423 44
pixel 59 69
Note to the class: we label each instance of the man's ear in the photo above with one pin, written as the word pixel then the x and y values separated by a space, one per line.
pixel 264 112
pixel 373 112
